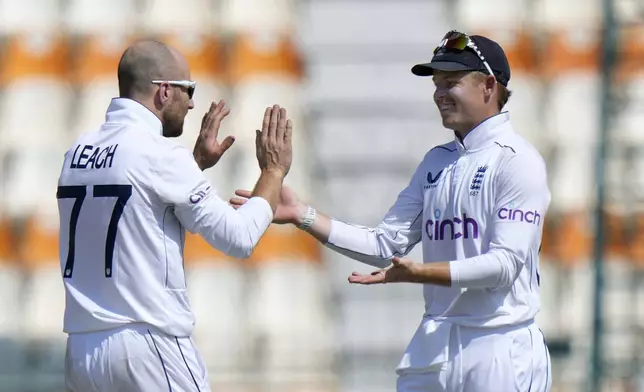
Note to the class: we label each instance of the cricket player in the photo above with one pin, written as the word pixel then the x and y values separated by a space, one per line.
pixel 126 193
pixel 478 205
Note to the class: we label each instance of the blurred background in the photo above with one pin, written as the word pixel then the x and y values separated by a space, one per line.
pixel 285 319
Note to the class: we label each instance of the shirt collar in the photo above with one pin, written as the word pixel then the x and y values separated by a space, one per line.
pixel 483 135
pixel 125 110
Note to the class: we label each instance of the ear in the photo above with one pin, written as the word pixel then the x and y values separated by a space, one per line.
pixel 165 93
pixel 490 81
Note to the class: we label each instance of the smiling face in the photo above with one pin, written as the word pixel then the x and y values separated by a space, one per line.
pixel 464 99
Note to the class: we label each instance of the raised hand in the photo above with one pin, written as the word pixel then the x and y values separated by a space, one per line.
pixel 208 150
pixel 273 143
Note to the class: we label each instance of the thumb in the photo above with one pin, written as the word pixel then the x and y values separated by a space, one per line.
pixel 396 261
pixel 227 143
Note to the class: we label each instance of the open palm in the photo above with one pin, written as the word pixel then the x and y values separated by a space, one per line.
pixel 288 211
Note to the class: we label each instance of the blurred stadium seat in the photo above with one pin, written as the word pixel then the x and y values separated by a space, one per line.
pixel 11 323
pixel 258 16
pixel 555 14
pixel 168 16
pixel 570 64
pixel 527 89
pixel 263 71
pixel 341 68
pixel 94 67
pixel 29 16
pixel 628 137
pixel 95 17
pixel 266 70
pixel 33 77
pixel 205 56
pixel 101 32
pixel 508 14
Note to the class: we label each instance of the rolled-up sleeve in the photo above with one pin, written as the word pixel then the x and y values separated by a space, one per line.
pixel 521 202
pixel 180 183
pixel 397 235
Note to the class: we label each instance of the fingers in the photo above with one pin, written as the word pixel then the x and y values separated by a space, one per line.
pixel 243 193
pixel 219 112
pixel 267 120
pixel 208 117
pixel 212 119
pixel 281 125
pixel 272 128
pixel 236 201
pixel 375 277
pixel 288 132
pixel 227 143
pixel 363 279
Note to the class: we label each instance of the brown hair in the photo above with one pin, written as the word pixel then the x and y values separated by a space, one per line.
pixel 504 94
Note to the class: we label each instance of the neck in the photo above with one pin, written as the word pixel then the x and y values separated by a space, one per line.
pixel 462 131
pixel 147 102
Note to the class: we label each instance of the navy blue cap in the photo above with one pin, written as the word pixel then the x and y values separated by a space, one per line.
pixel 468 60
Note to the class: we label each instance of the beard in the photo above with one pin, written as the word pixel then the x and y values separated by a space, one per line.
pixel 172 127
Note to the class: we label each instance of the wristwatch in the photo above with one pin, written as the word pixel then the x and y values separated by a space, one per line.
pixel 308 218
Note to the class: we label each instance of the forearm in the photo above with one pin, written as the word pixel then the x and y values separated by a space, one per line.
pixel 490 270
pixel 358 243
pixel 430 273
pixel 485 271
pixel 320 228
pixel 494 269
pixel 234 232
pixel 269 187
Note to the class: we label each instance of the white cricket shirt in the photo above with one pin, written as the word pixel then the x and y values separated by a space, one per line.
pixel 126 194
pixel 479 204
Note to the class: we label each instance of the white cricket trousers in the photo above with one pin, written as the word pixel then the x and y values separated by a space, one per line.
pixel 133 358
pixel 487 360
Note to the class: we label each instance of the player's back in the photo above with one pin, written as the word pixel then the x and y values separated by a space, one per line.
pixel 120 244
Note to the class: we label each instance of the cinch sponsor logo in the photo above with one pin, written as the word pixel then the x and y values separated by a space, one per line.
pixel 516 214
pixel 451 228
pixel 199 195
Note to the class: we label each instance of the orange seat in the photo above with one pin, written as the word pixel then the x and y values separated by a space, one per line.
pixel 7 242
pixel 518 45
pixel 286 243
pixel 34 55
pixel 38 246
pixel 203 52
pixel 95 64
pixel 635 249
pixel 197 251
pixel 570 51
pixel 630 61
pixel 97 57
pixel 571 241
pixel 615 236
pixel 263 56
pixel 547 239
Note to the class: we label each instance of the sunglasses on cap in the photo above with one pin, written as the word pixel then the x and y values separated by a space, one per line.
pixel 455 41
pixel 189 85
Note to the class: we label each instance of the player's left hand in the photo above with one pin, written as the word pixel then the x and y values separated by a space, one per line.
pixel 208 150
pixel 401 270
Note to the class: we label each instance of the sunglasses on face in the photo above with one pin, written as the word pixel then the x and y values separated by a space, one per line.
pixel 455 41
pixel 189 85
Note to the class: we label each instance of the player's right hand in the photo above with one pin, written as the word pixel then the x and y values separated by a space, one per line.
pixel 273 143
pixel 208 150
pixel 289 210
